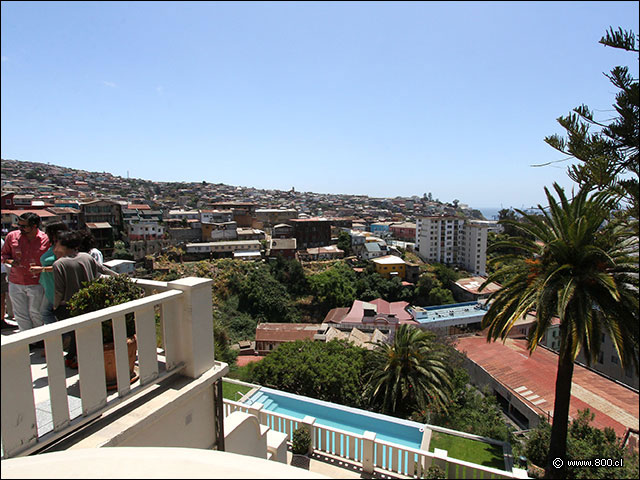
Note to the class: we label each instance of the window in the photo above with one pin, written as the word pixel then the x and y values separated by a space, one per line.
pixel 614 359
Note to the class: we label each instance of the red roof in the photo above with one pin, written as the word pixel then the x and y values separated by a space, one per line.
pixel 336 315
pixel 396 308
pixel 243 360
pixel 511 365
pixel 40 212
pixel 472 284
pixel 285 332
pixel 382 307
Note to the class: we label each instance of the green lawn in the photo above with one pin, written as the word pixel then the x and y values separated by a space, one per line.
pixel 468 450
pixel 229 390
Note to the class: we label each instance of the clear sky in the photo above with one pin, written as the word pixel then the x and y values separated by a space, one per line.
pixel 382 98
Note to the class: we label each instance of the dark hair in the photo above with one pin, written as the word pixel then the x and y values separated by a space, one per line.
pixel 88 241
pixel 70 239
pixel 33 219
pixel 53 230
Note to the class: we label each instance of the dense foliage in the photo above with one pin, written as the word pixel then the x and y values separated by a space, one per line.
pixel 585 442
pixel 335 287
pixel 408 375
pixel 300 441
pixel 331 371
pixel 106 292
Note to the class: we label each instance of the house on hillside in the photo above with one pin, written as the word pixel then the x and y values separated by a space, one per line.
pixel 369 316
pixel 467 289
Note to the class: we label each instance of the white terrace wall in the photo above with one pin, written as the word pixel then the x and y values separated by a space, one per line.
pixel 173 405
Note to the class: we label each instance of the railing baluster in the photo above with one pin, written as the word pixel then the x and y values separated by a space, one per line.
pixel 171 314
pixel 379 462
pixel 17 409
pixel 352 448
pixel 395 464
pixel 411 460
pixel 93 386
pixel 57 382
pixel 121 354
pixel 147 353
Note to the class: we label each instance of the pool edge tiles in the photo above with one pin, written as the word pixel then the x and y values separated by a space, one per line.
pixel 405 433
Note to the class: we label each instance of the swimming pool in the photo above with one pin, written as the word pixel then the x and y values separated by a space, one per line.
pixel 353 420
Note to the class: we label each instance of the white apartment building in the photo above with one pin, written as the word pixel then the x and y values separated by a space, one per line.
pixel 144 230
pixel 216 216
pixel 454 241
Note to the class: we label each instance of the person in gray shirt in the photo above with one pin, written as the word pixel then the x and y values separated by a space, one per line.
pixel 71 269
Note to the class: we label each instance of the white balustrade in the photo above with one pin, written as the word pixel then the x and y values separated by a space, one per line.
pixel 384 455
pixel 187 337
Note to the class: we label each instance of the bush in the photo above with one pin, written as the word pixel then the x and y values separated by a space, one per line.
pixel 435 472
pixel 301 441
pixel 106 292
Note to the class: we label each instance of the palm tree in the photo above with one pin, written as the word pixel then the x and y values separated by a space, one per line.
pixel 408 375
pixel 577 263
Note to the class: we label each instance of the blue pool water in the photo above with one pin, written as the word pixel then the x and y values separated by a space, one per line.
pixel 389 429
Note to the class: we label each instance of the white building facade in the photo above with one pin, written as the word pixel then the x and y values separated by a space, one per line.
pixel 454 241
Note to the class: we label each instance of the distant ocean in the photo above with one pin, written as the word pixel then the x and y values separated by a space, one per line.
pixel 489 213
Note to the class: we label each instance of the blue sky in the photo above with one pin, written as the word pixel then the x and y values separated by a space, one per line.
pixel 382 98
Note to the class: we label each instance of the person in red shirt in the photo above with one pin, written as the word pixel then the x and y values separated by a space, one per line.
pixel 22 249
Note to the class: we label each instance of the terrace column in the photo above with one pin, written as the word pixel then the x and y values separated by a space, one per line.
pixel 308 423
pixel 194 330
pixel 368 450
pixel 440 459
pixel 256 410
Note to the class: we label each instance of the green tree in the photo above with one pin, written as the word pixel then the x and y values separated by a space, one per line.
pixel 585 442
pixel 409 374
pixel 335 287
pixel 445 274
pixel 290 274
pixel 120 251
pixel 507 214
pixel 344 243
pixel 239 325
pixel 439 295
pixel 424 285
pixel 608 158
pixel 329 371
pixel 264 298
pixel 583 269
pixel 221 341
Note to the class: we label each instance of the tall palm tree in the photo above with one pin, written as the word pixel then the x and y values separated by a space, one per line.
pixel 409 374
pixel 577 263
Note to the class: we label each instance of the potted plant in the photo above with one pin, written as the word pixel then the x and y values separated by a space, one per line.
pixel 300 446
pixel 102 293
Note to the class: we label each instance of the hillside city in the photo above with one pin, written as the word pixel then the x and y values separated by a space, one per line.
pixel 290 267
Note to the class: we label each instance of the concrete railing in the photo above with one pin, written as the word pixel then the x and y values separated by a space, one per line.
pixel 185 316
pixel 368 451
